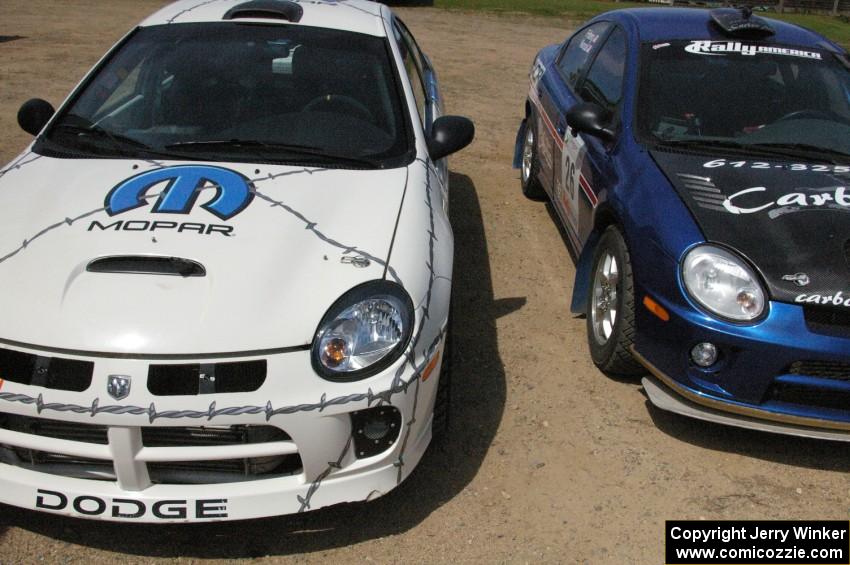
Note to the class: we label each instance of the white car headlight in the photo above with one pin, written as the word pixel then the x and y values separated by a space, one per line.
pixel 364 332
pixel 723 283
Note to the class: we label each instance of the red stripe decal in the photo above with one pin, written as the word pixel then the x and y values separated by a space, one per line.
pixel 546 120
pixel 585 186
pixel 588 190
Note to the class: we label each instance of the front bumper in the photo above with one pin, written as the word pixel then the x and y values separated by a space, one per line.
pixel 106 469
pixel 675 399
pixel 784 372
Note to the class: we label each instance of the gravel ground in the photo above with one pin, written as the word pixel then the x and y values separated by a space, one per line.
pixel 548 460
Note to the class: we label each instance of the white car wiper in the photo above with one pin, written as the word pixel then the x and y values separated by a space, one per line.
pixel 124 144
pixel 275 149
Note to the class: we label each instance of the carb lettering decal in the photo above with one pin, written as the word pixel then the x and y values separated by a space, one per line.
pixel 759 200
pixel 752 201
pixel 837 299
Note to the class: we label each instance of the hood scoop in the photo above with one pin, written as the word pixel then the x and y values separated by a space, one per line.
pixel 147 265
pixel 267 9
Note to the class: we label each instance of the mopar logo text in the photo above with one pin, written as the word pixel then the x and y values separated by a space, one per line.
pixel 131 508
pixel 144 225
pixel 181 187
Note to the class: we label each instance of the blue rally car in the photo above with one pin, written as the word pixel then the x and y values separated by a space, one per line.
pixel 700 164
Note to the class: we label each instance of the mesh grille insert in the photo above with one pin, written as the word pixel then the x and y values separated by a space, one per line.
pixel 807 396
pixel 170 472
pixel 50 372
pixel 206 378
pixel 834 370
pixel 825 321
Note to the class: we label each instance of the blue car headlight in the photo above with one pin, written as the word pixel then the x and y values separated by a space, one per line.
pixel 364 332
pixel 723 283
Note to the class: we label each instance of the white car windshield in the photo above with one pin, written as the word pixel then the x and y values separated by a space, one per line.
pixel 238 92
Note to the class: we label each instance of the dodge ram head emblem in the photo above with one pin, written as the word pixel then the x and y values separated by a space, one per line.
pixel 118 386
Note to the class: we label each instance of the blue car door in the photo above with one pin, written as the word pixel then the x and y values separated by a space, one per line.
pixel 584 166
pixel 554 95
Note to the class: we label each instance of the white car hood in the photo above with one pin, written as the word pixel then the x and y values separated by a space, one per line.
pixel 267 283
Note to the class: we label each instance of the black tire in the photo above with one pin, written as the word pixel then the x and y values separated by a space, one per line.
pixel 531 187
pixel 443 402
pixel 611 331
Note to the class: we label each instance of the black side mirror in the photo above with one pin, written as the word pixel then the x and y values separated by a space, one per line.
pixel 591 119
pixel 448 135
pixel 34 115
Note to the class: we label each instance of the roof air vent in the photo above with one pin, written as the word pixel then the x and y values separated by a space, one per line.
pixel 740 22
pixel 266 9
pixel 147 265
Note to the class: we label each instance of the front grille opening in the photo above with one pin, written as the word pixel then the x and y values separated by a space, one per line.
pixel 49 372
pixel 206 378
pixel 172 472
pixel 224 471
pixel 228 470
pixel 825 321
pixel 833 370
pixel 56 463
pixel 809 396
pixel 57 429
pixel 200 436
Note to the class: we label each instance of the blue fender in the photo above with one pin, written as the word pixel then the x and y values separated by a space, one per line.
pixel 581 285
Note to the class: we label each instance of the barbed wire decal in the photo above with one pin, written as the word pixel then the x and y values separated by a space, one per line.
pixel 19 162
pixel 311 226
pixel 189 9
pixel 399 385
pixel 314 486
pixel 65 222
pixel 432 238
pixel 212 411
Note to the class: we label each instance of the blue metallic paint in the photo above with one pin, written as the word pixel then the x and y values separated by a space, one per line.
pixel 658 228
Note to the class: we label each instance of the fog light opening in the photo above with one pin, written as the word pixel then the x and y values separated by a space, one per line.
pixel 704 354
pixel 375 430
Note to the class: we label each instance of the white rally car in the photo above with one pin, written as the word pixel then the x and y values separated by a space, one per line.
pixel 226 266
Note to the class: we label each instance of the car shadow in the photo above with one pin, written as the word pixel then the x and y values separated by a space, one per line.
pixel 553 215
pixel 790 450
pixel 478 401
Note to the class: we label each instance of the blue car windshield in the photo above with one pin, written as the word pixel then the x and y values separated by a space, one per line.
pixel 251 93
pixel 739 94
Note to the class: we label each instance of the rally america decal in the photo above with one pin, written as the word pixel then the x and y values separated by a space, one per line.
pixel 720 48
pixel 181 187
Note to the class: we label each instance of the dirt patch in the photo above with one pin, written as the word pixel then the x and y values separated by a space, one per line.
pixel 549 460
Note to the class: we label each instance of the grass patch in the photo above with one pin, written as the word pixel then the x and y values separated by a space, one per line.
pixel 834 28
pixel 572 9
